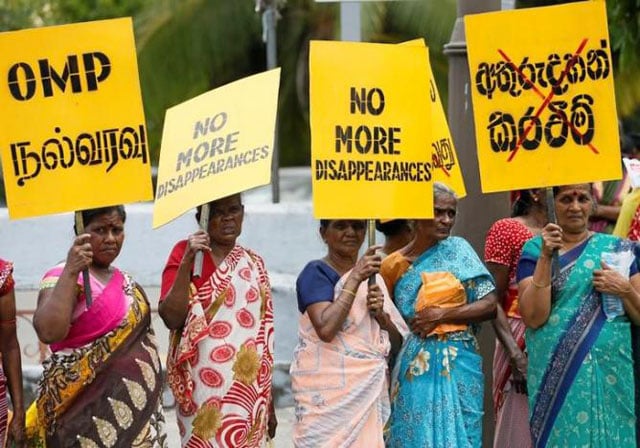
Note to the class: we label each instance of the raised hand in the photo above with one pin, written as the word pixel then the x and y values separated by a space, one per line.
pixel 80 254
pixel 368 264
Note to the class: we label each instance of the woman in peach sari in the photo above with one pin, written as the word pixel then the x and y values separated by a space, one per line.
pixel 347 332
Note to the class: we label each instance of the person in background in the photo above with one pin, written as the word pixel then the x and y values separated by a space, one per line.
pixel 397 233
pixel 610 195
pixel 501 254
pixel 628 223
pixel 442 289
pixel 348 331
pixel 10 370
pixel 102 384
pixel 628 226
pixel 220 362
pixel 580 371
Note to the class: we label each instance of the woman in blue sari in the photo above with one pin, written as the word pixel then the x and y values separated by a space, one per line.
pixel 437 383
pixel 580 377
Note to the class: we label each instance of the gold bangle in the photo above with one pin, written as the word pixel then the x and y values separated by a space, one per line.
pixel 343 305
pixel 348 292
pixel 539 286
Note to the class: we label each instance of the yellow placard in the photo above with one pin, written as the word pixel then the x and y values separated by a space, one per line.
pixel 444 159
pixel 72 134
pixel 543 96
pixel 370 112
pixel 217 144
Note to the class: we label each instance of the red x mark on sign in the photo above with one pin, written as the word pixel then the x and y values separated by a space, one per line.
pixel 546 99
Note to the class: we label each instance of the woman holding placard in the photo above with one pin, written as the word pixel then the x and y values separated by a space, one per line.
pixel 441 288
pixel 580 374
pixel 102 384
pixel 221 349
pixel 347 331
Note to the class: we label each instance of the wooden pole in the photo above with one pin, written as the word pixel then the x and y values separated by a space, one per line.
pixel 204 225
pixel 85 272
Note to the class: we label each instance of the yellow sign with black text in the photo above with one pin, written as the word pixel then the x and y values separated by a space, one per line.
pixel 217 144
pixel 543 96
pixel 370 128
pixel 72 134
pixel 443 153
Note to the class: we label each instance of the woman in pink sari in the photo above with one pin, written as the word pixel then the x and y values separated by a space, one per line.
pixel 347 333
pixel 102 384
pixel 221 349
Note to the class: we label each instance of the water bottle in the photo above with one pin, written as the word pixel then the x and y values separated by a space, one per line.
pixel 621 262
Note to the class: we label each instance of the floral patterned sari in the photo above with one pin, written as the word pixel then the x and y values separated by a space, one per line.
pixel 220 363
pixel 437 389
pixel 580 376
pixel 107 392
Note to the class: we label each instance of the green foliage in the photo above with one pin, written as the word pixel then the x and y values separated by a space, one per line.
pixel 186 48
pixel 70 11
pixel 19 14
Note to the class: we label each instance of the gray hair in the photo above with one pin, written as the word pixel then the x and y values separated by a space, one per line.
pixel 440 189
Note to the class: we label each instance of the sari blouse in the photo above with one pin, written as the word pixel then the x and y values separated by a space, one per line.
pixel 340 387
pixel 580 374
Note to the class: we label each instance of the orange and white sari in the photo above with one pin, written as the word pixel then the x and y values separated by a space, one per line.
pixel 341 388
pixel 220 363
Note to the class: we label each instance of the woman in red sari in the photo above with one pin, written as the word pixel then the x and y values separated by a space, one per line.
pixel 221 349
pixel 10 350
pixel 501 254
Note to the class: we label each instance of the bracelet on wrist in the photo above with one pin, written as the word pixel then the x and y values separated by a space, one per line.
pixel 343 305
pixel 348 291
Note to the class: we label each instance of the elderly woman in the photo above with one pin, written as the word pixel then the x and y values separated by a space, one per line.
pixel 580 377
pixel 10 351
pixel 102 384
pixel 440 287
pixel 347 332
pixel 221 348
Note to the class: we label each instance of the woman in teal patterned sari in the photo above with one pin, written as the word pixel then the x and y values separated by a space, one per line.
pixel 580 377
pixel 437 383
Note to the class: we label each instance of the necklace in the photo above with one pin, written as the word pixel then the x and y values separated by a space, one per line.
pixel 339 270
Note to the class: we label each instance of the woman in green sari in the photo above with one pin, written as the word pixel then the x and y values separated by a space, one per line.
pixel 580 375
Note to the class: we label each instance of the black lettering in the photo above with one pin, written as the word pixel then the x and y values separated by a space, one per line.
pixel 343 137
pixel 29 81
pixel 50 76
pixel 93 76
